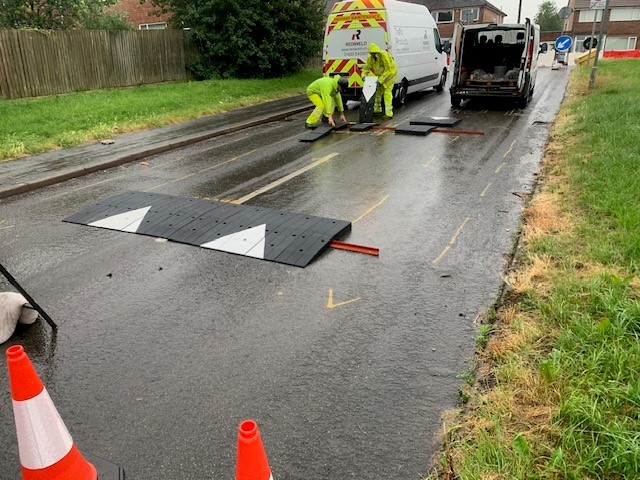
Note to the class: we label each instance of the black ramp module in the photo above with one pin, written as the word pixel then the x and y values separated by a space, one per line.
pixel 321 131
pixel 436 121
pixel 422 130
pixel 275 235
pixel 363 127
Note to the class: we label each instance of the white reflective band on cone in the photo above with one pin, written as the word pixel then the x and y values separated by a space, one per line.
pixel 43 440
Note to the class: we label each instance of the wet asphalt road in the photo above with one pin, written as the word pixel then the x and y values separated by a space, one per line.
pixel 346 365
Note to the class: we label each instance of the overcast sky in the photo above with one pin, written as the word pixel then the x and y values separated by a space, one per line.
pixel 529 8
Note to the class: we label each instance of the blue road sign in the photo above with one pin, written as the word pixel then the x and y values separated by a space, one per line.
pixel 563 43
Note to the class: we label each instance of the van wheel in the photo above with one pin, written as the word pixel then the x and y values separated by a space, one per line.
pixel 522 101
pixel 443 81
pixel 456 100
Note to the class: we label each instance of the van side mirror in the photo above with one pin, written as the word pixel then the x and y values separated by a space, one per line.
pixel 544 48
pixel 446 46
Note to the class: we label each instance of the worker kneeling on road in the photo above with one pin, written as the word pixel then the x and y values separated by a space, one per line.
pixel 381 64
pixel 324 93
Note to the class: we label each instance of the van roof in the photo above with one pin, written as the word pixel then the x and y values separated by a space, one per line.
pixel 496 26
pixel 395 5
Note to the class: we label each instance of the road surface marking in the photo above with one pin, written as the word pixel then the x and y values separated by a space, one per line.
pixel 286 178
pixel 451 242
pixel 233 159
pixel 485 190
pixel 510 148
pixel 500 167
pixel 87 186
pixel 330 303
pixel 371 209
pixel 429 162
pixel 454 139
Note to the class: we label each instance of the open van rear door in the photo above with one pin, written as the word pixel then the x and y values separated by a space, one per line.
pixel 527 55
pixel 456 52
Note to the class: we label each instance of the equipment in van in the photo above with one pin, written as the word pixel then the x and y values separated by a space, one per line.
pixel 495 61
pixel 406 30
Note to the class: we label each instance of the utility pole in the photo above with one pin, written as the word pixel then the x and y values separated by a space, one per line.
pixel 592 79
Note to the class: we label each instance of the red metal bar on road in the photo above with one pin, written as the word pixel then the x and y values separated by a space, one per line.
pixel 458 132
pixel 439 130
pixel 351 247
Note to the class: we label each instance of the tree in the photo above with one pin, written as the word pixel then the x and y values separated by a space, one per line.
pixel 249 39
pixel 112 21
pixel 48 14
pixel 547 17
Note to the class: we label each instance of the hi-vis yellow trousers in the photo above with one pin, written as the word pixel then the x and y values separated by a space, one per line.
pixel 316 114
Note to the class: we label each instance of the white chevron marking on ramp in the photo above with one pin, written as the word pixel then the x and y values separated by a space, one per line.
pixel 249 242
pixel 125 222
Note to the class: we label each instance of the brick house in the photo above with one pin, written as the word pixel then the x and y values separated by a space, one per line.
pixel 448 12
pixel 139 15
pixel 622 28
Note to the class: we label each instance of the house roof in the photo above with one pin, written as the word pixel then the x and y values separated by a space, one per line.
pixel 435 5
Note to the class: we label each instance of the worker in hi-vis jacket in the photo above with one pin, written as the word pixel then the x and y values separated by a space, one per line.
pixel 324 93
pixel 382 65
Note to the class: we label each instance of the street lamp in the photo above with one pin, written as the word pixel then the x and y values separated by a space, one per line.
pixel 519 10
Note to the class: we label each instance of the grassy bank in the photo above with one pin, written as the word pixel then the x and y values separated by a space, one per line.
pixel 36 125
pixel 557 390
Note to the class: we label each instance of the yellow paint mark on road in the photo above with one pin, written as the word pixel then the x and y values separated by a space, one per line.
pixel 500 167
pixel 455 139
pixel 510 148
pixel 485 190
pixel 371 209
pixel 4 225
pixel 286 178
pixel 330 303
pixel 451 242
pixel 429 162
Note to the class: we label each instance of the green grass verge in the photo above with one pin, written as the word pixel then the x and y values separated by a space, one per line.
pixel 36 125
pixel 564 362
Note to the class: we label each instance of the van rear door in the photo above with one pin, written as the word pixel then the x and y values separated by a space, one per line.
pixel 527 56
pixel 456 52
pixel 347 38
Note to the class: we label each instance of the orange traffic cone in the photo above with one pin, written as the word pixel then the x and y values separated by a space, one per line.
pixel 47 451
pixel 252 461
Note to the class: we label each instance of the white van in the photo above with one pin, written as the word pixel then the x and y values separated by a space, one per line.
pixel 406 30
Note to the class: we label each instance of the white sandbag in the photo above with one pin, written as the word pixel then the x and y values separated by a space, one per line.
pixel 12 312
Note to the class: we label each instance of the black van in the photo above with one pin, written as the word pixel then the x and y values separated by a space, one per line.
pixel 495 61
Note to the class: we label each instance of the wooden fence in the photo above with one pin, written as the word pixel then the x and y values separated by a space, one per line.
pixel 34 63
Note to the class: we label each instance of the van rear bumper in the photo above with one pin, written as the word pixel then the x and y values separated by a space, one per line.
pixel 486 92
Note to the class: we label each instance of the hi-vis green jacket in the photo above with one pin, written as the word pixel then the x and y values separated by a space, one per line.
pixel 383 67
pixel 327 89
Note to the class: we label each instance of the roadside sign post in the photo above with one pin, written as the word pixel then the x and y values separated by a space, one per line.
pixel 592 79
pixel 563 14
pixel 595 5
pixel 563 45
